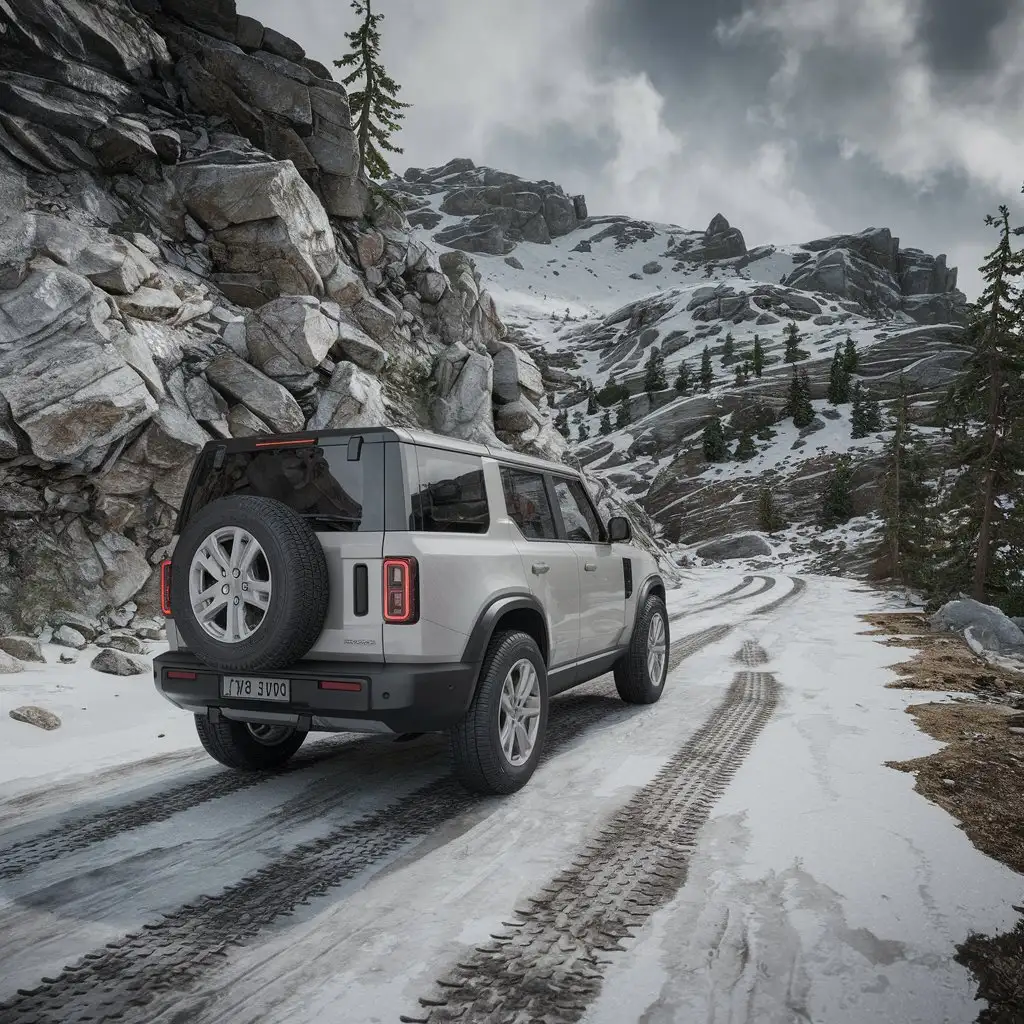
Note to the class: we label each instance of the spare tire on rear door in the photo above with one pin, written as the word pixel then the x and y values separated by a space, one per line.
pixel 249 586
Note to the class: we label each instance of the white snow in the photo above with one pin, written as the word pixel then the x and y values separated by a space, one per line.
pixel 822 888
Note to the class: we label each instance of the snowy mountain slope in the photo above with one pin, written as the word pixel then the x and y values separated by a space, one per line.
pixel 592 303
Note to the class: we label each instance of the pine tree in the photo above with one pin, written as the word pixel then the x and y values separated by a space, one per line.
pixel 591 400
pixel 623 417
pixel 769 516
pixel 837 498
pixel 865 416
pixel 740 375
pixel 905 496
pixel 798 401
pixel 716 448
pixel 584 432
pixel 757 360
pixel 729 349
pixel 851 358
pixel 562 423
pixel 838 380
pixel 654 372
pixel 986 414
pixel 684 381
pixel 605 427
pixel 707 373
pixel 745 447
pixel 793 351
pixel 376 109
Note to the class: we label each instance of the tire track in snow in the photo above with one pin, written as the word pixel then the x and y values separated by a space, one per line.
pixel 548 965
pixel 120 980
pixel 109 822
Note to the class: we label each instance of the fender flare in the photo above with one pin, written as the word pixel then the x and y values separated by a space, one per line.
pixel 487 621
pixel 648 585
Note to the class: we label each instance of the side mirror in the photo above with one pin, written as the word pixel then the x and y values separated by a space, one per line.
pixel 619 530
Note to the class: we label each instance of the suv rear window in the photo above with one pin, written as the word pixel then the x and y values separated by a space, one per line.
pixel 448 493
pixel 317 481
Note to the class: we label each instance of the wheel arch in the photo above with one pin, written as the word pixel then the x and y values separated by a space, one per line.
pixel 514 610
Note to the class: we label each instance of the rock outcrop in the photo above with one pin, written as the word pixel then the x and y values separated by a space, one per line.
pixel 871 269
pixel 185 253
pixel 497 210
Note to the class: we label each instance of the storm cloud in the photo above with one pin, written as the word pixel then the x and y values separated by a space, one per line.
pixel 794 118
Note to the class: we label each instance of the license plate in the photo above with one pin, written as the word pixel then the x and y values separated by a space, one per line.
pixel 249 688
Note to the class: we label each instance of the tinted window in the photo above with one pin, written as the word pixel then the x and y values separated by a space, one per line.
pixel 315 481
pixel 528 506
pixel 581 524
pixel 450 496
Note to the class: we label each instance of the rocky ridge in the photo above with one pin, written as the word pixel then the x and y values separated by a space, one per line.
pixel 185 253
pixel 591 307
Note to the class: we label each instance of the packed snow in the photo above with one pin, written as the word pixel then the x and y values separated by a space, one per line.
pixel 822 887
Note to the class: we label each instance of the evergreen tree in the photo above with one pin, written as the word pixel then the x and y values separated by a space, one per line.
pixel 769 516
pixel 757 360
pixel 654 372
pixel 584 432
pixel 905 496
pixel 376 109
pixel 605 427
pixel 838 380
pixel 851 358
pixel 707 373
pixel 684 381
pixel 837 498
pixel 986 415
pixel 623 417
pixel 716 448
pixel 562 423
pixel 729 349
pixel 591 400
pixel 745 447
pixel 798 401
pixel 793 351
pixel 865 416
pixel 741 377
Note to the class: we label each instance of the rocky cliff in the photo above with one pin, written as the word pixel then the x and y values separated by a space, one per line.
pixel 185 253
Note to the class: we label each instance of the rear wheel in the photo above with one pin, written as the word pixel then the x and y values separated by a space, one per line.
pixel 248 746
pixel 497 746
pixel 640 675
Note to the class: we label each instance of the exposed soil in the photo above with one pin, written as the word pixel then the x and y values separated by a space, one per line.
pixel 978 777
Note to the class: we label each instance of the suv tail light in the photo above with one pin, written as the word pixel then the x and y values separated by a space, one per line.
pixel 165 587
pixel 401 591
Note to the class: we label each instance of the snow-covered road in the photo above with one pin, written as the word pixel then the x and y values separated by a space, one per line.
pixel 742 838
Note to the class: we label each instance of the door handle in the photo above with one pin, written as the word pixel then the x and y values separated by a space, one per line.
pixel 590 566
pixel 539 568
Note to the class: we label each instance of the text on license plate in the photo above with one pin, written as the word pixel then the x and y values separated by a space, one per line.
pixel 250 688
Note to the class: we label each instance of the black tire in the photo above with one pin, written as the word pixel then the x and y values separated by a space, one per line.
pixel 632 674
pixel 298 570
pixel 234 745
pixel 479 761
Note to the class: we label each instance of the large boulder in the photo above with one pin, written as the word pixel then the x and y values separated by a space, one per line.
pixel 262 396
pixel 988 626
pixel 746 545
pixel 351 399
pixel 273 231
pixel 294 329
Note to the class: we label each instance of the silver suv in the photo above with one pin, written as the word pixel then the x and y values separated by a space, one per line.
pixel 385 580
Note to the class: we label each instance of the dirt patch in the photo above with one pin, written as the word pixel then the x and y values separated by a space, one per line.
pixel 977 777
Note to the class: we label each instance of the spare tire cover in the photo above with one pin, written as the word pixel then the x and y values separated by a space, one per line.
pixel 249 584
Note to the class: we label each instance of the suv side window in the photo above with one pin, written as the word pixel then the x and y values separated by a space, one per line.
pixel 581 523
pixel 526 498
pixel 451 496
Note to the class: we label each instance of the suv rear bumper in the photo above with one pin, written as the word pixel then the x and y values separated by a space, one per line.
pixel 397 698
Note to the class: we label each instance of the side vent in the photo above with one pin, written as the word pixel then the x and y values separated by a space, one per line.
pixel 627 576
pixel 361 590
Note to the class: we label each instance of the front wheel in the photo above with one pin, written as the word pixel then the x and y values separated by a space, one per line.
pixel 248 746
pixel 640 675
pixel 496 747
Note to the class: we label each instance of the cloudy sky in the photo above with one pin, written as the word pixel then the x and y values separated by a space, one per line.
pixel 794 118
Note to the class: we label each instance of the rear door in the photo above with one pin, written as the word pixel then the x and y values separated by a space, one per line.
pixel 602 583
pixel 551 565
